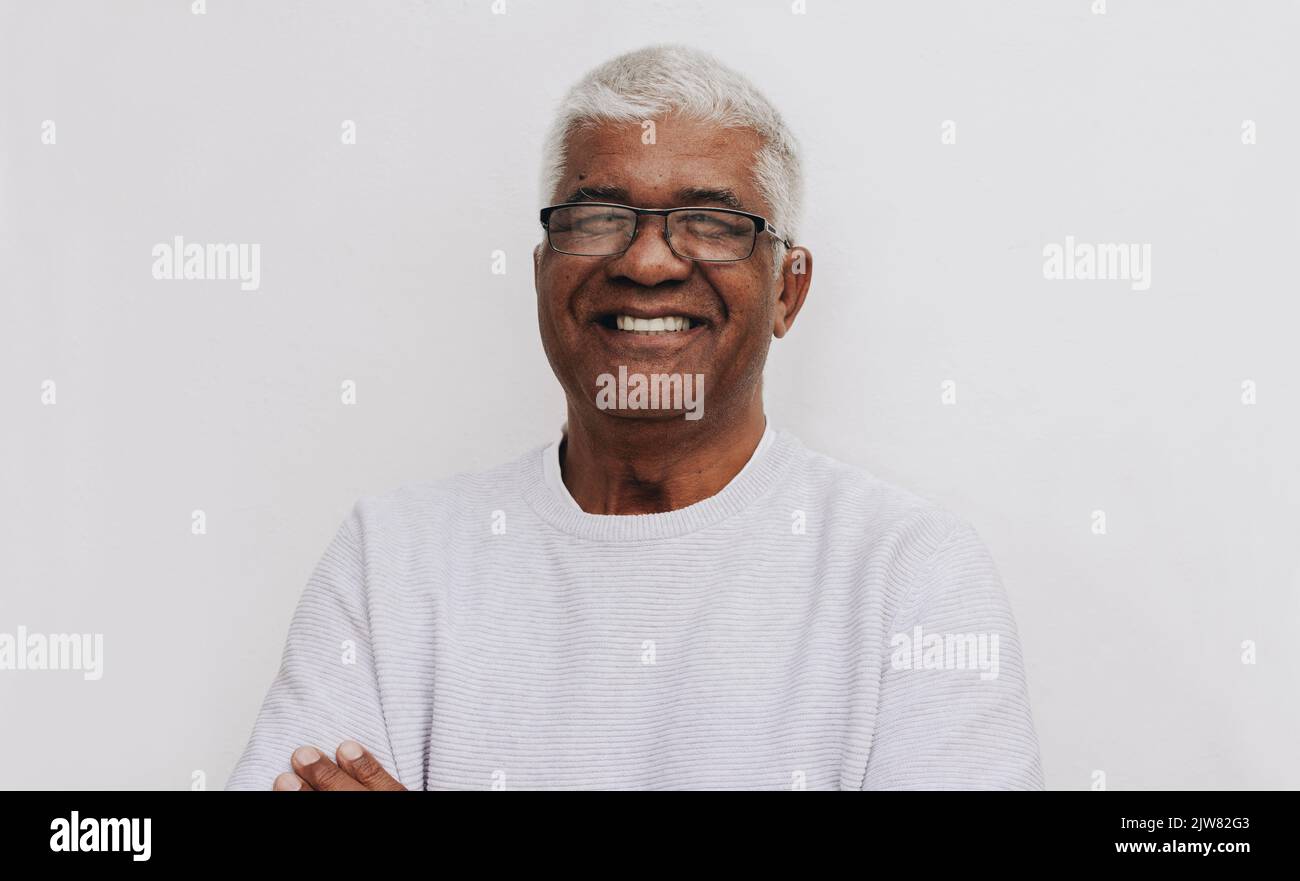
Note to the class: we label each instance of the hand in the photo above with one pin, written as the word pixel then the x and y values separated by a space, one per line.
pixel 357 771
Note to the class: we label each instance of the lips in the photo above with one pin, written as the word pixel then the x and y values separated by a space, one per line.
pixel 664 324
pixel 649 343
pixel 643 321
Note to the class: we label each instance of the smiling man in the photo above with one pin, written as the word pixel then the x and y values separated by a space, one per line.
pixel 673 594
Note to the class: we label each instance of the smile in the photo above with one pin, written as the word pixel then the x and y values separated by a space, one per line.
pixel 662 324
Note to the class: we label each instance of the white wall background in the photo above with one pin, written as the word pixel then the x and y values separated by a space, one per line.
pixel 1073 396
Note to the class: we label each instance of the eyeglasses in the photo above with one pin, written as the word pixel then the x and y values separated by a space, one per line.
pixel 604 229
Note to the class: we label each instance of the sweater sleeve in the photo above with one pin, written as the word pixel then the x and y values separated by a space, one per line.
pixel 326 690
pixel 953 708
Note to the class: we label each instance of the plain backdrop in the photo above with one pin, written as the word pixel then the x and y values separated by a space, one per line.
pixel 376 267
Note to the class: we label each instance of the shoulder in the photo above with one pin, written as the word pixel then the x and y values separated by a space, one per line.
pixel 443 507
pixel 927 563
pixel 857 497
pixel 903 534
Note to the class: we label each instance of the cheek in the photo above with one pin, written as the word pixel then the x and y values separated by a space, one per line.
pixel 556 287
pixel 550 303
pixel 751 304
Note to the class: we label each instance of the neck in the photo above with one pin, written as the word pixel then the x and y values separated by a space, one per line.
pixel 615 465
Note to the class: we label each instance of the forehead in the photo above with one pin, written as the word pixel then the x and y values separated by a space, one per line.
pixel 686 154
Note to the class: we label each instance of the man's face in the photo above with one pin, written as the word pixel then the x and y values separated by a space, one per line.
pixel 732 307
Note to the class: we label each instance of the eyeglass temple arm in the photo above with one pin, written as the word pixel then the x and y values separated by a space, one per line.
pixel 780 238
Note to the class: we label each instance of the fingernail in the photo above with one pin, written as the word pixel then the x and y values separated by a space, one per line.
pixel 305 755
pixel 287 782
pixel 350 750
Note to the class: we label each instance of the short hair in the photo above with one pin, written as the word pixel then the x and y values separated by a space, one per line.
pixel 656 80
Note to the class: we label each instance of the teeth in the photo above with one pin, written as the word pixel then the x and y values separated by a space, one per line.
pixel 665 324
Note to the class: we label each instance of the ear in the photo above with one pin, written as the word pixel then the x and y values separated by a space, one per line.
pixel 796 276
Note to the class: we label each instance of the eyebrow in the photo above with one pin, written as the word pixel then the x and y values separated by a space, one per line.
pixel 685 197
pixel 598 194
pixel 710 196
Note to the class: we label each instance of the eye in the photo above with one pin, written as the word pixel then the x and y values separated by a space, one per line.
pixel 709 224
pixel 600 223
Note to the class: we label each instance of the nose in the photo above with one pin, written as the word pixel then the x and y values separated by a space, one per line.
pixel 648 261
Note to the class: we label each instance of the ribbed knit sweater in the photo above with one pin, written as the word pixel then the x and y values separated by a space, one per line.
pixel 810 626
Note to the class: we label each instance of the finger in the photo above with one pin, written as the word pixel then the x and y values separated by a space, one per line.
pixel 365 768
pixel 290 782
pixel 322 774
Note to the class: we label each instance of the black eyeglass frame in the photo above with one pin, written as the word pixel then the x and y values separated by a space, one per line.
pixel 761 225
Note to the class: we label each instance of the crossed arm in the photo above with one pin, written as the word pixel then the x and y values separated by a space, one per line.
pixel 353 770
pixel 933 729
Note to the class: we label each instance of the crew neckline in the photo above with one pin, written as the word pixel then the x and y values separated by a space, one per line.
pixel 553 476
pixel 763 470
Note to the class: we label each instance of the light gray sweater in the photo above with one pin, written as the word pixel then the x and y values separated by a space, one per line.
pixel 809 626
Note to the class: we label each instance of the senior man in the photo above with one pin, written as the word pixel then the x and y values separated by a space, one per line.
pixel 673 594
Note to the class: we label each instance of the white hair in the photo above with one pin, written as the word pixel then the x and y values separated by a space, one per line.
pixel 656 80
